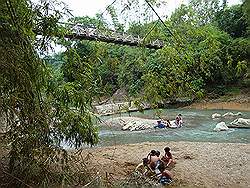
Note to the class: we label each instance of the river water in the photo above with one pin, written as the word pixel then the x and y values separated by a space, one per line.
pixel 198 127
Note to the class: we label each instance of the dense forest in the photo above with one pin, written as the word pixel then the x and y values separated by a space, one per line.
pixel 47 99
pixel 204 48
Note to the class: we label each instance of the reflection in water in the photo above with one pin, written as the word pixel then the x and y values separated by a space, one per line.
pixel 198 126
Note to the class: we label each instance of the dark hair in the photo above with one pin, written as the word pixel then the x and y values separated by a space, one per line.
pixel 145 161
pixel 179 114
pixel 152 152
pixel 157 153
pixel 166 149
pixel 161 166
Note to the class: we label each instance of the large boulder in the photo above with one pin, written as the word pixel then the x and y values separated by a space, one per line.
pixel 221 127
pixel 131 123
pixel 137 125
pixel 241 122
pixel 114 108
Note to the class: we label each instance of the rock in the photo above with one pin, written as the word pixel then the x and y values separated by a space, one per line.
pixel 238 114
pixel 128 126
pixel 221 127
pixel 241 122
pixel 114 108
pixel 137 124
pixel 216 115
pixel 231 114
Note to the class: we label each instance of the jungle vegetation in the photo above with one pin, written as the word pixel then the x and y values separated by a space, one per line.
pixel 46 100
pixel 206 44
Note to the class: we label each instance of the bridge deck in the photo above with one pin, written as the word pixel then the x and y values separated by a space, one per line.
pixel 109 36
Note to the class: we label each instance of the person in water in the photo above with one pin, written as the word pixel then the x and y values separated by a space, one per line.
pixel 178 120
pixel 168 158
pixel 160 124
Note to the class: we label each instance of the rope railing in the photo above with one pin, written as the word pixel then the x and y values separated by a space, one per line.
pixel 85 32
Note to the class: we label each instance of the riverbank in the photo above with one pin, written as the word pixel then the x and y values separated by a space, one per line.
pixel 220 105
pixel 240 102
pixel 199 164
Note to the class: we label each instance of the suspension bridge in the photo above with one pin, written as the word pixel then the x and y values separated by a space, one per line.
pixel 82 32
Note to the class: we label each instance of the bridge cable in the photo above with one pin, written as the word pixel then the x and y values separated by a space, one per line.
pixel 159 18
pixel 150 31
pixel 185 52
pixel 108 7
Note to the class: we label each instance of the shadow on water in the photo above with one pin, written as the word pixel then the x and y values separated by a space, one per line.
pixel 198 127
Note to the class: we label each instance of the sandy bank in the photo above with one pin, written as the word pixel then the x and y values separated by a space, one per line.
pixel 198 164
pixel 221 105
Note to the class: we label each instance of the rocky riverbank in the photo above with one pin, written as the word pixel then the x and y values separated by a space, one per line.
pixel 199 164
pixel 118 104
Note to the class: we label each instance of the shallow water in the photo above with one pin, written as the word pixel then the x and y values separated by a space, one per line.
pixel 198 127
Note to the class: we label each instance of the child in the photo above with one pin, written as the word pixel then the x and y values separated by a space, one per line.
pixel 168 158
pixel 154 160
pixel 165 176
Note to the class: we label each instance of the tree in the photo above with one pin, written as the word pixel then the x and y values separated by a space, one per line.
pixel 40 113
pixel 232 20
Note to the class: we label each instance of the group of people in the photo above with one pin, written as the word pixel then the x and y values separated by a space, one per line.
pixel 167 124
pixel 156 164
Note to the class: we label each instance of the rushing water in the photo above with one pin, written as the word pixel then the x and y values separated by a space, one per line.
pixel 198 126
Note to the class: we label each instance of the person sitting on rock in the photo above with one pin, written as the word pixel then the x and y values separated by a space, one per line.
pixel 168 158
pixel 160 124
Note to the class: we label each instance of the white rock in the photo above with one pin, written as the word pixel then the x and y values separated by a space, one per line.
pixel 228 114
pixel 238 114
pixel 221 127
pixel 128 126
pixel 216 115
pixel 231 114
pixel 241 121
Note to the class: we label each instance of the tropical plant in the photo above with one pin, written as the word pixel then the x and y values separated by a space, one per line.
pixel 40 115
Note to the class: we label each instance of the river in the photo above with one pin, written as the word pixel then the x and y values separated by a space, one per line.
pixel 198 127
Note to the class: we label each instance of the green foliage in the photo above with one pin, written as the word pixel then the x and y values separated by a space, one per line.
pixel 198 54
pixel 47 102
pixel 42 112
pixel 246 11
pixel 239 49
pixel 232 20
pixel 89 22
pixel 118 26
